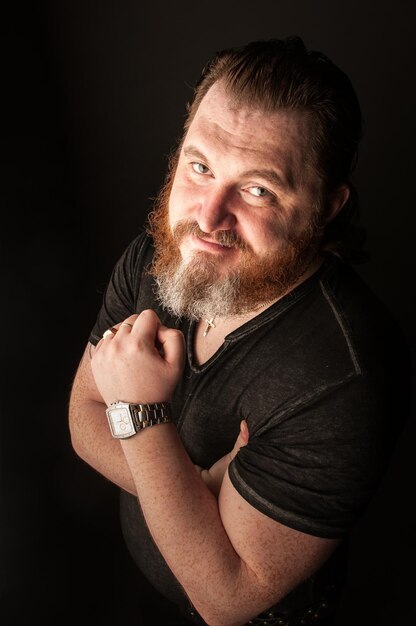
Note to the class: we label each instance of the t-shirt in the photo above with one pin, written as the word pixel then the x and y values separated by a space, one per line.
pixel 321 377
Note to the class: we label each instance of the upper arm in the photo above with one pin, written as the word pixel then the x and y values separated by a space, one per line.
pixel 84 398
pixel 83 386
pixel 277 558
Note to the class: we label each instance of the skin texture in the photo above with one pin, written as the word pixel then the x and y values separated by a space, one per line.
pixel 243 171
pixel 207 540
pixel 211 186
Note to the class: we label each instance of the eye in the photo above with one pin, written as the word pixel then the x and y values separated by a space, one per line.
pixel 200 168
pixel 259 192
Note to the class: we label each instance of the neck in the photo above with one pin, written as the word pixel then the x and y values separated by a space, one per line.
pixel 216 320
pixel 217 324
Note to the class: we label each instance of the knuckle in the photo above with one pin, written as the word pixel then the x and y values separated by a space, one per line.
pixel 175 333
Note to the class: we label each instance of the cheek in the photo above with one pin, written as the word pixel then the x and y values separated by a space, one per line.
pixel 276 229
pixel 180 205
pixel 175 206
pixel 264 235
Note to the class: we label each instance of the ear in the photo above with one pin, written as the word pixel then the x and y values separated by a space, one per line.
pixel 337 199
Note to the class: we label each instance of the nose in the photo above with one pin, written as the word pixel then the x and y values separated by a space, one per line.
pixel 215 211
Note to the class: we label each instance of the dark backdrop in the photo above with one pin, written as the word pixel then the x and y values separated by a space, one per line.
pixel 94 95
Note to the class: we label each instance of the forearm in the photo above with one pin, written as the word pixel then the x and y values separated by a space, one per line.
pixel 208 544
pixel 92 441
pixel 184 520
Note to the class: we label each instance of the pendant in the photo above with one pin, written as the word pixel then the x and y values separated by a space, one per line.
pixel 210 324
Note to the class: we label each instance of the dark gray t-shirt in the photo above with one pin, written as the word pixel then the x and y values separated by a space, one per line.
pixel 321 378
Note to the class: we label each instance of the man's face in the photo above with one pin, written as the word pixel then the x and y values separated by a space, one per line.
pixel 242 204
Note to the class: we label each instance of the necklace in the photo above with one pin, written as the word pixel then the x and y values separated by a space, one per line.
pixel 209 324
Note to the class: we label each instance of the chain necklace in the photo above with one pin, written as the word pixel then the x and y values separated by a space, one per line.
pixel 210 322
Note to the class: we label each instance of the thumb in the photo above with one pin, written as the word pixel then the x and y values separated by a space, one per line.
pixel 172 344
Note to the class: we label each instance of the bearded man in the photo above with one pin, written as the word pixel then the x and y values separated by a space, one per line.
pixel 242 386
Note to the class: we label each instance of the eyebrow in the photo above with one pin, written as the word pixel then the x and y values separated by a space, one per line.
pixel 271 176
pixel 193 151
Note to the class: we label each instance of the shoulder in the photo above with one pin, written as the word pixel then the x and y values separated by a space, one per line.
pixel 129 289
pixel 139 251
pixel 373 335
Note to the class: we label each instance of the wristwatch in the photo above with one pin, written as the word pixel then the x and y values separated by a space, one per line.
pixel 126 419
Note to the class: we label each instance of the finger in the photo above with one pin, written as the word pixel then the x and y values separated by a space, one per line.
pixel 98 345
pixel 145 326
pixel 130 320
pixel 172 343
pixel 242 438
pixel 125 325
pixel 244 434
pixel 110 332
pixel 124 328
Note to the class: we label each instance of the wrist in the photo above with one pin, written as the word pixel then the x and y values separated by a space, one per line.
pixel 127 419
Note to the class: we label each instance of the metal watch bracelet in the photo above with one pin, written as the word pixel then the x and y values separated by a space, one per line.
pixel 145 415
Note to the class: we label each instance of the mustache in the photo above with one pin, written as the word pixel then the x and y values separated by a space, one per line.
pixel 226 238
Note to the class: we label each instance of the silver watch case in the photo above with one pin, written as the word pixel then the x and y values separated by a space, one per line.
pixel 125 419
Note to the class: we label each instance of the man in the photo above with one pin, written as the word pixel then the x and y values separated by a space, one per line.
pixel 277 381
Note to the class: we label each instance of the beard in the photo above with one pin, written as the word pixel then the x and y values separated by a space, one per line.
pixel 195 288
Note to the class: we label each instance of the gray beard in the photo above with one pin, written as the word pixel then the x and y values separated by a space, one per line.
pixel 193 290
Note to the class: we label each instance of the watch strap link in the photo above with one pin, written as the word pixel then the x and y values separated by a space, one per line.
pixel 145 415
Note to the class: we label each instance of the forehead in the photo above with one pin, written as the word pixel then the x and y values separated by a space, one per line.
pixel 279 139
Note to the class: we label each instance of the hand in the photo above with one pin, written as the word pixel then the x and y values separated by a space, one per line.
pixel 241 441
pixel 213 477
pixel 142 362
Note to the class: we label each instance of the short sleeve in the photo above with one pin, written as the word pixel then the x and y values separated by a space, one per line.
pixel 122 292
pixel 315 469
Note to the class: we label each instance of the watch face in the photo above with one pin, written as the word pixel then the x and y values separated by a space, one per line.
pixel 120 422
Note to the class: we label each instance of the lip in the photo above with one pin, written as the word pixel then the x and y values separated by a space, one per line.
pixel 209 246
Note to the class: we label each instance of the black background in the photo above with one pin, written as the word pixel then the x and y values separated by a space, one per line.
pixel 93 97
